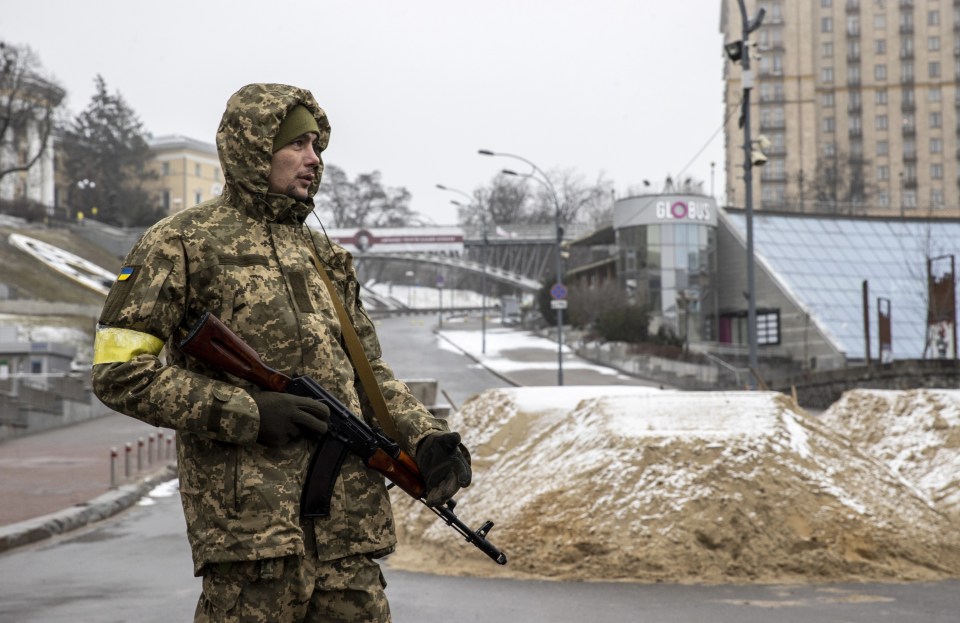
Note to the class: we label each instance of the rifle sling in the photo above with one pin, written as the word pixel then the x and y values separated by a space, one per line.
pixel 359 358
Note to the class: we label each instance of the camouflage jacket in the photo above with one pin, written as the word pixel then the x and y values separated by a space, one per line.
pixel 246 257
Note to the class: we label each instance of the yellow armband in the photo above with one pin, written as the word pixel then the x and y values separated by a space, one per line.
pixel 118 345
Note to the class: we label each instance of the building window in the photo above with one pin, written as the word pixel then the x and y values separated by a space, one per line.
pixel 936 197
pixel 934 69
pixel 829 125
pixel 881 122
pixel 936 171
pixel 197 196
pixel 827 49
pixel 936 146
pixel 166 168
pixel 906 71
pixel 934 94
pixel 829 149
pixel 826 74
pixel 880 46
pixel 936 119
pixel 826 3
pixel 827 100
pixel 826 24
pixel 880 97
pixel 883 198
pixel 197 171
pixel 933 44
pixel 883 172
pixel 768 327
pixel 879 21
pixel 216 174
pixel 933 18
pixel 880 72
pixel 883 148
pixel 166 201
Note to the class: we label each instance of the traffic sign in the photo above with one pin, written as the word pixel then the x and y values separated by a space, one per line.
pixel 558 304
pixel 558 291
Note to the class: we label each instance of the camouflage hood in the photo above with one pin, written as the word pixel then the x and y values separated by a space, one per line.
pixel 245 144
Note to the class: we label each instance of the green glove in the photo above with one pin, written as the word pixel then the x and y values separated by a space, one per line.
pixel 285 417
pixel 445 466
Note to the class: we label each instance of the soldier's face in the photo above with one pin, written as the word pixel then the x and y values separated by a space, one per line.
pixel 294 167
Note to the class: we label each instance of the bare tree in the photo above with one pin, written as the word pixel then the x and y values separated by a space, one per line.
pixel 363 202
pixel 28 108
pixel 840 184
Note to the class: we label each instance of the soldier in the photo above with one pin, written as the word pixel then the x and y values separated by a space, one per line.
pixel 243 452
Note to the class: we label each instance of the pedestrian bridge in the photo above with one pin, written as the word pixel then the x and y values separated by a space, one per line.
pixel 494 273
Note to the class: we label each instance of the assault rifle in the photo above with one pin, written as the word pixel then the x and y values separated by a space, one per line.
pixel 214 344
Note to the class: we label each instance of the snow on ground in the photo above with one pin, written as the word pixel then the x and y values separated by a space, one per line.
pixel 501 341
pixel 633 483
pixel 915 433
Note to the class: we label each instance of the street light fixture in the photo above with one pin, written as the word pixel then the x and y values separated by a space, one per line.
pixel 483 264
pixel 740 51
pixel 545 182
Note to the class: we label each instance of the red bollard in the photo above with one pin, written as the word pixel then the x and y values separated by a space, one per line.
pixel 113 468
pixel 169 449
pixel 126 460
pixel 150 449
pixel 140 454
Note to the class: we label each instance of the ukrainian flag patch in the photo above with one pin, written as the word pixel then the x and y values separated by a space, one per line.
pixel 125 273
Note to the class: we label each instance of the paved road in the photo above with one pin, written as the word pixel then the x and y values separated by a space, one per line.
pixel 136 567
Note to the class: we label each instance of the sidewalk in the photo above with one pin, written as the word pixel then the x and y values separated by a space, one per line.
pixel 58 480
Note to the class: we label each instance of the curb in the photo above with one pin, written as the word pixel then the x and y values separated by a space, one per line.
pixel 80 515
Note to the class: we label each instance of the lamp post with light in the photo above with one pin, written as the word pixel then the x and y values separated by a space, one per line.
pixel 483 264
pixel 740 51
pixel 545 182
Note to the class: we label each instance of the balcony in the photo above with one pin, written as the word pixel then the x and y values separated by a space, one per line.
pixel 853 81
pixel 906 55
pixel 908 107
pixel 854 108
pixel 906 80
pixel 909 130
pixel 855 133
pixel 906 29
pixel 910 156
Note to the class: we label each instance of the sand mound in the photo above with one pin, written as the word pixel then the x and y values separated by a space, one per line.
pixel 608 483
pixel 915 433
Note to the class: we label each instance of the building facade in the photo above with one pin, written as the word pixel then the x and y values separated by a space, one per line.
pixel 666 249
pixel 859 102
pixel 188 171
pixel 27 135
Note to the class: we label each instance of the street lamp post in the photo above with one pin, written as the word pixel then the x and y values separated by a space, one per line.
pixel 483 265
pixel 545 182
pixel 740 51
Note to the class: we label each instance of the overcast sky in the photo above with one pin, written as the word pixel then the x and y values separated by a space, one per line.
pixel 628 89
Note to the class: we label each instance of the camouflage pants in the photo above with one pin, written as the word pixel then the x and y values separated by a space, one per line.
pixel 294 589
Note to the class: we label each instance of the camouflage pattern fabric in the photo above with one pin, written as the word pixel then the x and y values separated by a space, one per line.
pixel 294 589
pixel 245 256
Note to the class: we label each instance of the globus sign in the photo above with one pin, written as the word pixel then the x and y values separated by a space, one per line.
pixel 664 209
pixel 689 210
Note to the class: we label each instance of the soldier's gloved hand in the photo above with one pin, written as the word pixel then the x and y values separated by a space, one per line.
pixel 285 417
pixel 445 466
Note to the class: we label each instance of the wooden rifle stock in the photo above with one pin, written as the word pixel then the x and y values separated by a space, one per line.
pixel 213 343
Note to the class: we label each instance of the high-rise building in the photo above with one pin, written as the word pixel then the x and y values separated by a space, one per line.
pixel 859 102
